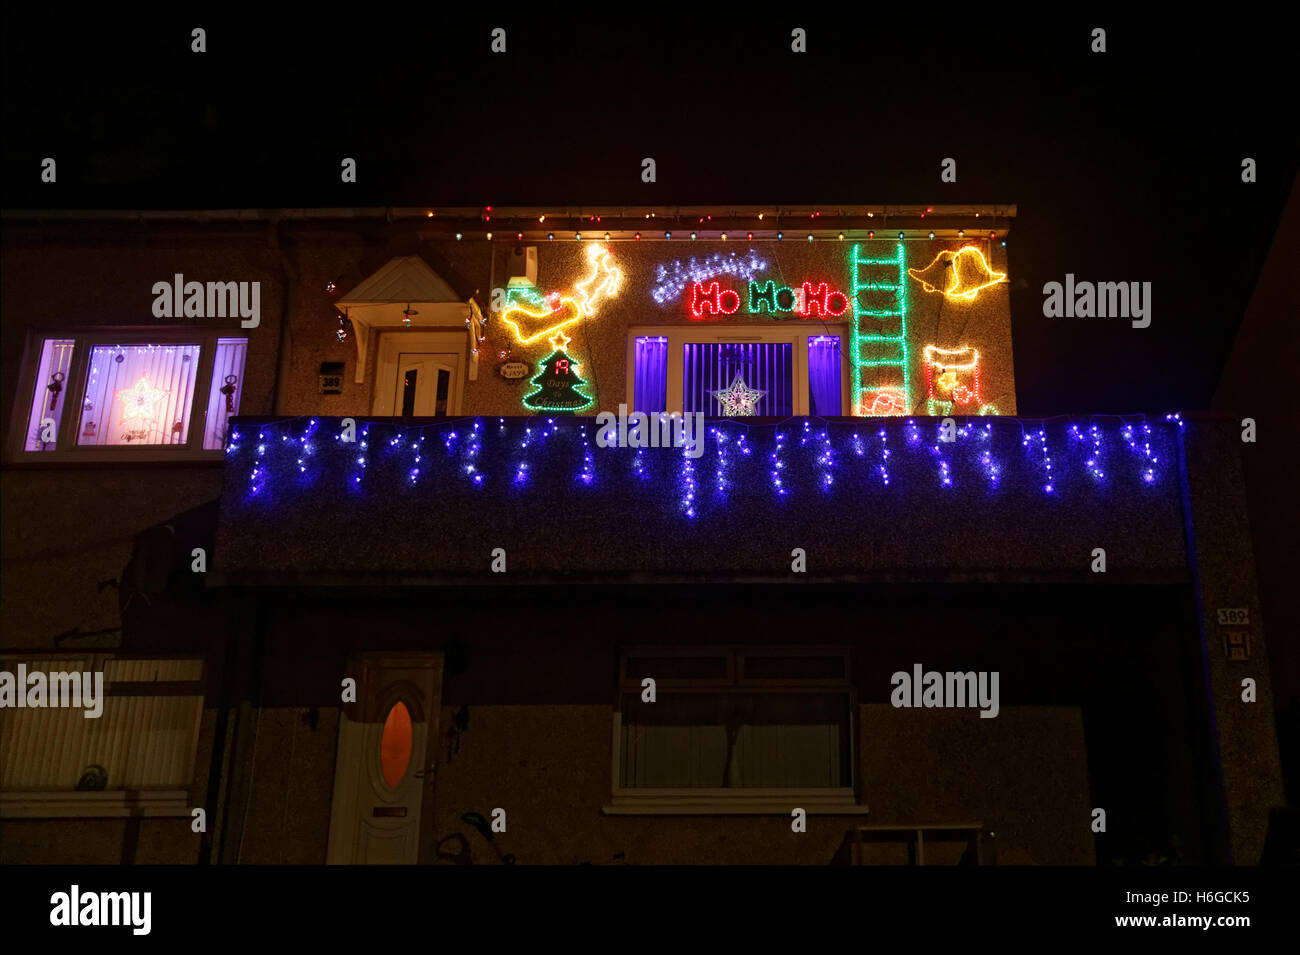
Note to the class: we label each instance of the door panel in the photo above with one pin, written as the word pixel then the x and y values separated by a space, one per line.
pixel 371 821
pixel 420 374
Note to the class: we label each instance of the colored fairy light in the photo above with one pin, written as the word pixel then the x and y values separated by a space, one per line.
pixel 958 275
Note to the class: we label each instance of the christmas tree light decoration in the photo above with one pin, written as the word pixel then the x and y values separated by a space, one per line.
pixel 958 275
pixel 738 399
pixel 557 382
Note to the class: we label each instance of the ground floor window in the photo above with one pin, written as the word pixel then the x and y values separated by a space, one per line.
pixel 727 724
pixel 140 737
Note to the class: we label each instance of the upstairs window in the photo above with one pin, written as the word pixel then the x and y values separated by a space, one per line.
pixel 162 394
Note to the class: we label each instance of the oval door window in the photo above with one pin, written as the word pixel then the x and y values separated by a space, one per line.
pixel 395 745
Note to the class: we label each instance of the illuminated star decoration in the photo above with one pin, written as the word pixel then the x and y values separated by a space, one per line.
pixel 560 341
pixel 140 403
pixel 738 400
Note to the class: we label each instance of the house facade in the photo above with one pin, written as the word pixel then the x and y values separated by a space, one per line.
pixel 558 536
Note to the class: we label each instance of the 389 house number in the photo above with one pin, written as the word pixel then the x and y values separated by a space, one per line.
pixel 1234 617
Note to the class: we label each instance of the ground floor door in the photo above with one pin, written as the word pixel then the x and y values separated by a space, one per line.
pixel 383 775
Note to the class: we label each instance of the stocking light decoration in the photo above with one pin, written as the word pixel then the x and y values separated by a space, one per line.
pixel 952 382
pixel 738 399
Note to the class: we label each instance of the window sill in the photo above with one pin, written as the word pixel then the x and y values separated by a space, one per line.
pixel 119 804
pixel 764 803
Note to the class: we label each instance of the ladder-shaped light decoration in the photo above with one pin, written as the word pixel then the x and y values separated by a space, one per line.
pixel 881 376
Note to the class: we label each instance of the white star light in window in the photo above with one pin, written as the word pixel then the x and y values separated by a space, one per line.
pixel 141 402
pixel 738 400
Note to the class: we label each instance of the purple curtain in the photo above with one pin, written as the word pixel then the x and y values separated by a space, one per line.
pixel 650 386
pixel 713 366
pixel 824 375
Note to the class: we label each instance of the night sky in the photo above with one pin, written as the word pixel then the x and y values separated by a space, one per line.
pixel 1125 166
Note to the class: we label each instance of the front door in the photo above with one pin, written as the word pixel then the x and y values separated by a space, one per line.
pixel 424 385
pixel 419 374
pixel 383 775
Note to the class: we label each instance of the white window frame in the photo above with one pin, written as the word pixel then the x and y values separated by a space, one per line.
pixel 779 332
pixel 735 801
pixel 110 803
pixel 66 450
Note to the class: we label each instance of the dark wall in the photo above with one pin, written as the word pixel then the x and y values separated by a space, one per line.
pixel 1099 696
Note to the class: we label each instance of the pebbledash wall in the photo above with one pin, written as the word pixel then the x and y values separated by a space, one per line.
pixel 600 345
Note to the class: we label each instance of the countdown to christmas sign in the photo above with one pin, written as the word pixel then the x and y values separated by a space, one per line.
pixel 558 387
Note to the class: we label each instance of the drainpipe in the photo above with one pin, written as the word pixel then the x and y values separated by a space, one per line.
pixel 289 278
